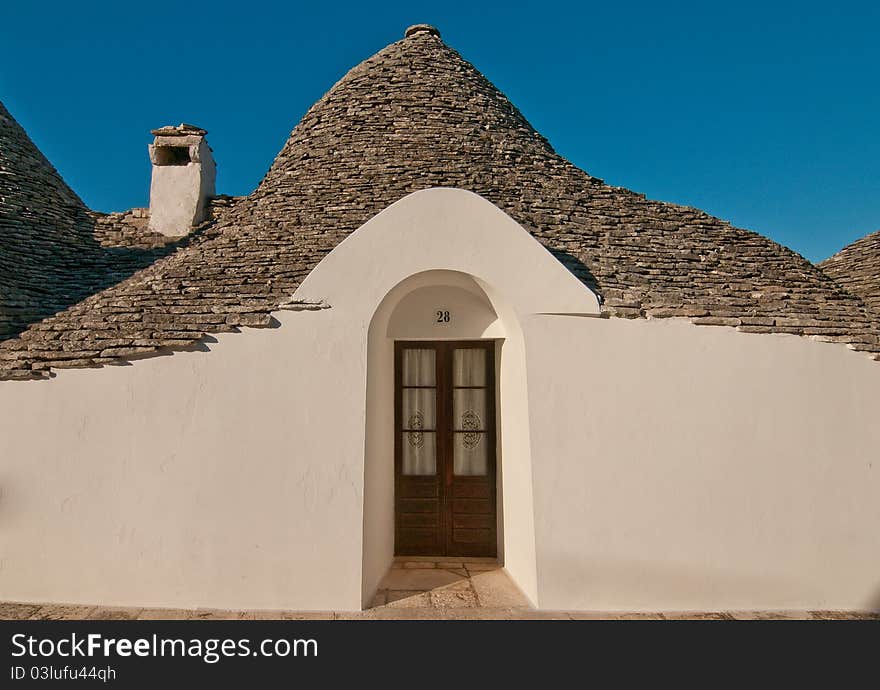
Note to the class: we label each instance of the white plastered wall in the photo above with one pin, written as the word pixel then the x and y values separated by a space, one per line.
pixel 679 467
pixel 222 479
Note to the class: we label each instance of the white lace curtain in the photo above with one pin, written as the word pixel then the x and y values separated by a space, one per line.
pixel 419 412
pixel 469 432
pixel 470 455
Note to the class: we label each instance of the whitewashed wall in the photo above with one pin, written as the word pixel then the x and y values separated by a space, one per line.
pixel 690 467
pixel 230 478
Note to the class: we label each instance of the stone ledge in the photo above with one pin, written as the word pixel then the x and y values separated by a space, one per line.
pixel 21 611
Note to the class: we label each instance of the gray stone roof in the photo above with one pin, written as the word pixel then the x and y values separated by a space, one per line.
pixel 53 251
pixel 414 116
pixel 857 268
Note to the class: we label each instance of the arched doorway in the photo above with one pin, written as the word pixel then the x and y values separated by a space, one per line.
pixel 433 450
pixel 446 466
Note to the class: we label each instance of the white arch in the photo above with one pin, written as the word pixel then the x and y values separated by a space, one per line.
pixel 431 243
pixel 416 315
pixel 449 229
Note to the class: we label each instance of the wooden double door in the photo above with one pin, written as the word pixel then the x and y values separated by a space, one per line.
pixel 445 502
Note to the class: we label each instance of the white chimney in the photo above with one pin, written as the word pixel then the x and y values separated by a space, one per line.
pixel 183 179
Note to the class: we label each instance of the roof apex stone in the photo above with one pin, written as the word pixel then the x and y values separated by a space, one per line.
pixel 181 130
pixel 421 29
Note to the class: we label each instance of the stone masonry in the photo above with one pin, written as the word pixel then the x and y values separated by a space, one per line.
pixel 414 116
pixel 856 268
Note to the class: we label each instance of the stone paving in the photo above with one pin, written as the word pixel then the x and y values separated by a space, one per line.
pixel 417 589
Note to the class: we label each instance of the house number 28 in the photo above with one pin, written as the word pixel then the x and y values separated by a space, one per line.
pixel 442 316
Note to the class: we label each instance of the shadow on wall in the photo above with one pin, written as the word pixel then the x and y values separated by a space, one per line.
pixel 874 603
pixel 579 269
pixel 42 275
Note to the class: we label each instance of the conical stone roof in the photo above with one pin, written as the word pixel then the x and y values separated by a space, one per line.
pixel 857 268
pixel 50 253
pixel 417 115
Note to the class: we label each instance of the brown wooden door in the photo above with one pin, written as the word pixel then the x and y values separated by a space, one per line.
pixel 445 502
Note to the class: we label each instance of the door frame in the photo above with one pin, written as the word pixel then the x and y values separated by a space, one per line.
pixel 445 446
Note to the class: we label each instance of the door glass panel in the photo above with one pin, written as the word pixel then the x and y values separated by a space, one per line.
pixel 469 409
pixel 418 367
pixel 419 453
pixel 469 367
pixel 419 409
pixel 471 453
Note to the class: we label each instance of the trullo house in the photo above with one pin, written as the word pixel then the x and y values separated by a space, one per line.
pixel 425 332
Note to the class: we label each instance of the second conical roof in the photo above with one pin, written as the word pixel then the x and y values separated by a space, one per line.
pixel 857 268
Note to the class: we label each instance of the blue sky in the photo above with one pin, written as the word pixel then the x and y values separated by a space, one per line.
pixel 762 113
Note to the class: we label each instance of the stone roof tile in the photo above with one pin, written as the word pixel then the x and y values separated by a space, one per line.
pixel 857 268
pixel 54 251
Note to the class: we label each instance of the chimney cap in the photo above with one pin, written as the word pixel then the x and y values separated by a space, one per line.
pixel 421 29
pixel 181 130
